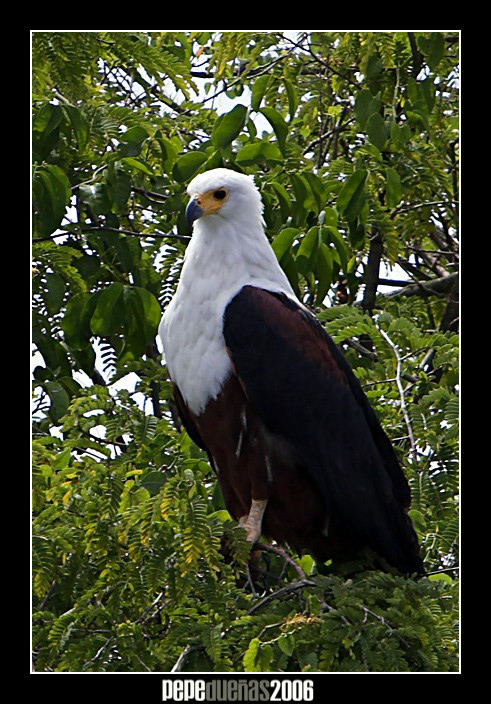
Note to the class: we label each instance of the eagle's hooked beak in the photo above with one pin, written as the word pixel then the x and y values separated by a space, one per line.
pixel 193 212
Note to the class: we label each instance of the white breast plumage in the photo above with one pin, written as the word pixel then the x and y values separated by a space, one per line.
pixel 192 337
pixel 221 258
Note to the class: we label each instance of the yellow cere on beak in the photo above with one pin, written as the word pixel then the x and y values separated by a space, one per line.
pixel 202 204
pixel 208 203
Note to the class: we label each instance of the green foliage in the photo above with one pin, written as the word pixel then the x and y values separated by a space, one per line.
pixel 137 565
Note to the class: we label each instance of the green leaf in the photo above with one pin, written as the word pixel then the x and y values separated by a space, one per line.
pixel 393 190
pixel 79 124
pixel 258 91
pixel 221 515
pixel 137 165
pixel 153 482
pixel 418 520
pixel 330 217
pixel 109 312
pixel 334 236
pixel 187 165
pixel 85 359
pixel 169 152
pixel 283 241
pixel 59 399
pixel 257 153
pixel 257 657
pixel 307 252
pixel 214 161
pixel 287 643
pixel 433 47
pixel 45 131
pixel 377 130
pixel 307 563
pixel 365 106
pixel 249 659
pixel 229 126
pixel 62 460
pixel 352 195
pixel 317 188
pixel 46 120
pixel 97 198
pixel 129 252
pixel 289 266
pixel 292 96
pixel 51 196
pixel 302 191
pixel 356 232
pixel 442 577
pixel 135 134
pixel 283 199
pixel 374 67
pixel 118 185
pixel 53 353
pixel 427 90
pixel 132 141
pixel 278 124
pixel 150 311
pixel 400 135
pixel 142 318
pixel 251 128
pixel 55 292
pixel 418 117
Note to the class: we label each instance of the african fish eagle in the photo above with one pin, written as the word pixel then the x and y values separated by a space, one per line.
pixel 261 387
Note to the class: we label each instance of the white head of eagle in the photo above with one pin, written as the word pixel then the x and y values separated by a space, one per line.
pixel 261 387
pixel 225 193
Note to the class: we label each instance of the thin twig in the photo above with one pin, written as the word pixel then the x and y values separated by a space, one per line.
pixel 326 135
pixel 446 569
pixel 407 208
pixel 141 618
pixel 401 392
pixel 102 228
pixel 384 623
pixel 279 551
pixel 328 607
pixel 99 652
pixel 182 657
pixel 376 383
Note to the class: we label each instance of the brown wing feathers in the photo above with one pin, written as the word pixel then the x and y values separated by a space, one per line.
pixel 302 389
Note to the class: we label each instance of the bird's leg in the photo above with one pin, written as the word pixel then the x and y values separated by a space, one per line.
pixel 253 521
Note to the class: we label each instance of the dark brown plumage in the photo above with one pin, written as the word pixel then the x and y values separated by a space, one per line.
pixel 293 427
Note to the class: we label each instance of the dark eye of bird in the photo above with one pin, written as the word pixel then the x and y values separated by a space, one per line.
pixel 220 195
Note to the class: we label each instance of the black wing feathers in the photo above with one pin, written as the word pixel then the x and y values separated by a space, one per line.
pixel 302 388
pixel 186 419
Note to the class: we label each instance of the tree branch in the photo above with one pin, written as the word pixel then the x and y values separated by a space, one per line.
pixel 418 58
pixel 293 587
pixel 433 287
pixel 104 228
pixel 280 551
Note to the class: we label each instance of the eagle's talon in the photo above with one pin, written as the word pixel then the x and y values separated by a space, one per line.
pixel 252 522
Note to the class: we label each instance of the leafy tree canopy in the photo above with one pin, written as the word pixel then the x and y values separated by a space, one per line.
pixel 352 138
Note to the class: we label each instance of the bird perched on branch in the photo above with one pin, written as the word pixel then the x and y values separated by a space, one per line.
pixel 260 386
